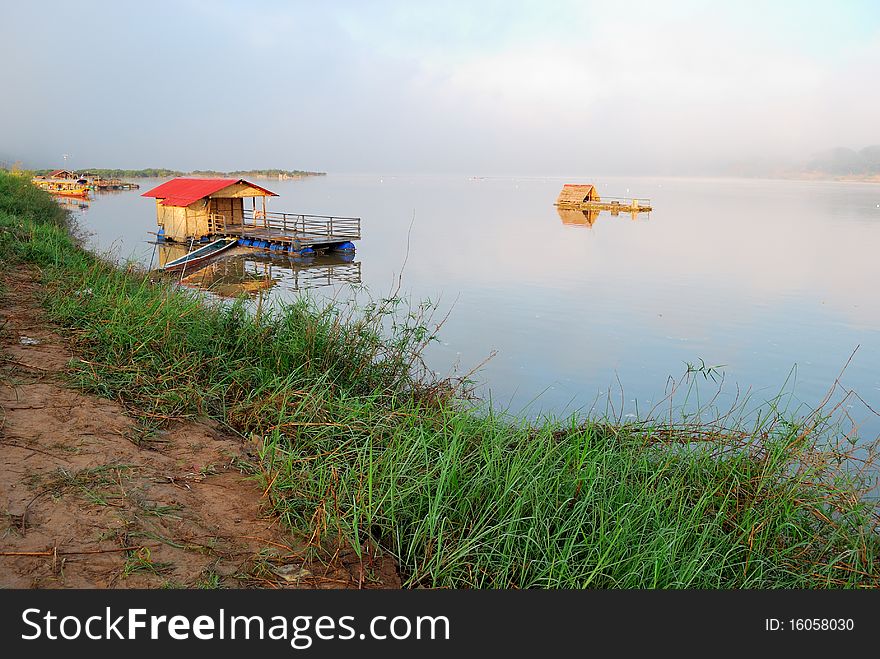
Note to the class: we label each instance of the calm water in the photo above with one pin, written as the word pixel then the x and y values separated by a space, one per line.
pixel 772 281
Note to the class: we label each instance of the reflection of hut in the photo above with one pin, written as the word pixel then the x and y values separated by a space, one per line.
pixel 229 278
pixel 195 207
pixel 577 217
pixel 250 273
pixel 575 195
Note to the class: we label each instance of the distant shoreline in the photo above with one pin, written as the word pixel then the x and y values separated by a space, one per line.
pixel 810 176
pixel 847 178
pixel 158 172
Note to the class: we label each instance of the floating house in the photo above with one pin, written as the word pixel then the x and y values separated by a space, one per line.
pixel 70 184
pixel 585 197
pixel 202 209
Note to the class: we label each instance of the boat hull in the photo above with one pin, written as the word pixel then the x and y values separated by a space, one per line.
pixel 81 194
pixel 200 255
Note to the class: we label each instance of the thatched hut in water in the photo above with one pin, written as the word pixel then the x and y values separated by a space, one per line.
pixel 575 195
pixel 195 207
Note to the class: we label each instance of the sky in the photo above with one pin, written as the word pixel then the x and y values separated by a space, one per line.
pixel 478 88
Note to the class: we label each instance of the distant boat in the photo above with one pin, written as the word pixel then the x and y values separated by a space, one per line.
pixel 201 254
pixel 64 187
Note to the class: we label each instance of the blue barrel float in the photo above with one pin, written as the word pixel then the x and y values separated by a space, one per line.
pixel 347 246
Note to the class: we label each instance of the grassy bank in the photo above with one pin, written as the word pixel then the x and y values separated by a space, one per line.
pixel 355 449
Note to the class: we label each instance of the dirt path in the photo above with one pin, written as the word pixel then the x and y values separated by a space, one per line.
pixel 87 500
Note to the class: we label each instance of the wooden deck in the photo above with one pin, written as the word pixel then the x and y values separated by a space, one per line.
pixel 290 230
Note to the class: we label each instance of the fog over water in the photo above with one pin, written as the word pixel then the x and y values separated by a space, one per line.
pixel 521 88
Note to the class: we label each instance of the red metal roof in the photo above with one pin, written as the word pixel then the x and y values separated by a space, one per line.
pixel 184 191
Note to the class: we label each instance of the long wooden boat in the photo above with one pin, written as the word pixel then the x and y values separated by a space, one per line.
pixel 201 254
pixel 63 187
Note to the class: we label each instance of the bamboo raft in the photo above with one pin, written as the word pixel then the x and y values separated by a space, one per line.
pixel 102 184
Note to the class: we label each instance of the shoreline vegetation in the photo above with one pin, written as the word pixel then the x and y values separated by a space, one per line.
pixel 745 171
pixel 357 446
pixel 161 172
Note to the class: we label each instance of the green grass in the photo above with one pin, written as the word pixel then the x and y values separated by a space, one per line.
pixel 359 447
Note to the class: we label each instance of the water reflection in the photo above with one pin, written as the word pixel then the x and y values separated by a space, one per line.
pixel 245 272
pixel 73 203
pixel 575 217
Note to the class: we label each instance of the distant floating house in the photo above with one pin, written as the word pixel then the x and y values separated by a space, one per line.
pixel 63 183
pixel 585 197
pixel 64 174
pixel 576 195
pixel 189 208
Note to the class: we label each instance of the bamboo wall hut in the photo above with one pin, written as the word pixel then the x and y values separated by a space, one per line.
pixel 192 208
pixel 574 195
pixel 65 174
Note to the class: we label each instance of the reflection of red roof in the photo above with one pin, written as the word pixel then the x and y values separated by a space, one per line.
pixel 184 191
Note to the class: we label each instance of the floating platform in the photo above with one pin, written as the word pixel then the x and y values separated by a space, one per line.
pixel 202 210
pixel 100 184
pixel 287 232
pixel 585 198
pixel 293 232
pixel 614 205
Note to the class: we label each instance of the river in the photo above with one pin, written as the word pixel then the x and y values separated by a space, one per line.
pixel 772 284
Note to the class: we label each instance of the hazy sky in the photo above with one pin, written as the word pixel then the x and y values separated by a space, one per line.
pixel 479 87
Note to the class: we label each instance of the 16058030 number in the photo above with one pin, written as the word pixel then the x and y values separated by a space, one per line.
pixel 821 624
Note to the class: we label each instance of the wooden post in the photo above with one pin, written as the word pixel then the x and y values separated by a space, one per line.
pixel 265 218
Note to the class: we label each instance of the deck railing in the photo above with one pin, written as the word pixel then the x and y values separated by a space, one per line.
pixel 302 224
pixel 216 223
pixel 625 201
